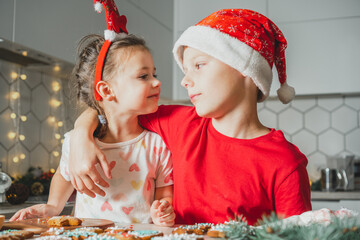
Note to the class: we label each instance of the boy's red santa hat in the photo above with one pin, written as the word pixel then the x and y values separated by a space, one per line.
pixel 116 28
pixel 244 40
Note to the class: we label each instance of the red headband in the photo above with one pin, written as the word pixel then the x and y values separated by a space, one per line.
pixel 115 24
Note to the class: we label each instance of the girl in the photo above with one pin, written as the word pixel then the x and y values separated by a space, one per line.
pixel 140 161
pixel 225 161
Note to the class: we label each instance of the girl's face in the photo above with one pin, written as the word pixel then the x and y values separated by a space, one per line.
pixel 214 87
pixel 135 86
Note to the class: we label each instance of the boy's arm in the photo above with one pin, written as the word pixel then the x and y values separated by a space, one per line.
pixel 293 195
pixel 85 154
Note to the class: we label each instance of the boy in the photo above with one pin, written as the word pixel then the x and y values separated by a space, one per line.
pixel 225 161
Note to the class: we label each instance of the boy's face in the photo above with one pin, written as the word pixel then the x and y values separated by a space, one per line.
pixel 214 87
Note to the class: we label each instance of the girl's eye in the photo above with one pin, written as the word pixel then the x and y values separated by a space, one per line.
pixel 155 75
pixel 145 76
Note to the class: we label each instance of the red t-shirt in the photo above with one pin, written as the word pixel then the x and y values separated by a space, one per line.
pixel 216 177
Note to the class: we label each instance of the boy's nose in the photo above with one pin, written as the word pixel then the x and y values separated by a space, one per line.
pixel 186 82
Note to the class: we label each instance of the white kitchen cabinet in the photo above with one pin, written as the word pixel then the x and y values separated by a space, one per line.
pixel 323 44
pixel 323 40
pixel 54 27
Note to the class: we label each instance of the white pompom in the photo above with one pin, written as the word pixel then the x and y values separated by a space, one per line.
pixel 109 35
pixel 286 93
pixel 98 7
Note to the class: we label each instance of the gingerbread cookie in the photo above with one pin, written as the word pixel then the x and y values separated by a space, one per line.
pixel 188 229
pixel 60 221
pixel 114 236
pixel 146 234
pixel 118 229
pixel 219 230
pixel 15 234
pixel 53 231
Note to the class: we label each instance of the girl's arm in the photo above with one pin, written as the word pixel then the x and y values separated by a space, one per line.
pixel 162 212
pixel 60 191
pixel 85 154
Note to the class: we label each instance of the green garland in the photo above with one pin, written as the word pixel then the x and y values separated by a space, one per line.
pixel 273 229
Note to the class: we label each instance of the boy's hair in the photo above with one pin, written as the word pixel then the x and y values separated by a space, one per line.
pixel 83 74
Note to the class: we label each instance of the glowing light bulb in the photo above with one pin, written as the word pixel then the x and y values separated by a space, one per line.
pixel 57 136
pixel 57 68
pixel 62 141
pixel 56 153
pixel 55 86
pixel 22 137
pixel 13 115
pixel 23 77
pixel 11 135
pixel 60 124
pixel 24 53
pixel 22 156
pixel 55 103
pixel 52 119
pixel 14 95
pixel 23 118
pixel 15 159
pixel 52 170
pixel 14 75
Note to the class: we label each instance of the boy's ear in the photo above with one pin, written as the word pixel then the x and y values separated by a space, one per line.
pixel 105 91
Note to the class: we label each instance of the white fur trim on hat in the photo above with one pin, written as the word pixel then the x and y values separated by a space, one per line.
pixel 229 50
pixel 286 93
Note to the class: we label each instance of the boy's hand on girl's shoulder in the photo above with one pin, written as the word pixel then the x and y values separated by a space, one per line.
pixel 36 211
pixel 83 156
pixel 162 213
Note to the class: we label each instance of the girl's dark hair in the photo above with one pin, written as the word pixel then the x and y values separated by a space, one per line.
pixel 83 74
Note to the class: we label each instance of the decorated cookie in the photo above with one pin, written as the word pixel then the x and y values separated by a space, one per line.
pixel 146 234
pixel 189 229
pixel 179 237
pixel 219 230
pixel 15 234
pixel 53 231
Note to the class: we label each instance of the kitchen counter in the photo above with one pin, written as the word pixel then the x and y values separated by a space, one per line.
pixel 335 196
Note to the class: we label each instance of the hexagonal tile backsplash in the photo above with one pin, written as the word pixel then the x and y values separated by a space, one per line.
pixel 321 126
pixel 31 129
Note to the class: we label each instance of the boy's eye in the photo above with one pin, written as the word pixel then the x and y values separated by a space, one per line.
pixel 199 65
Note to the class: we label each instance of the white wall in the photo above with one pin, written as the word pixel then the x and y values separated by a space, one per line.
pixel 54 27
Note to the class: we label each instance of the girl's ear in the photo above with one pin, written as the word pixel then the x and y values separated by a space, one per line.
pixel 105 91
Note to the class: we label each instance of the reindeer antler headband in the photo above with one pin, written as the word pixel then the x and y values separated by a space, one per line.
pixel 115 24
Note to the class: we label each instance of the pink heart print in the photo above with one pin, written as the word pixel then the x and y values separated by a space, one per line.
pixel 105 206
pixel 158 151
pixel 134 167
pixel 127 210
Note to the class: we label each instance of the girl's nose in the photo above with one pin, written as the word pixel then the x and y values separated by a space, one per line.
pixel 156 83
pixel 186 82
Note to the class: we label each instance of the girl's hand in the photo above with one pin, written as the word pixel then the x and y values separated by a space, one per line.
pixel 36 211
pixel 84 155
pixel 162 213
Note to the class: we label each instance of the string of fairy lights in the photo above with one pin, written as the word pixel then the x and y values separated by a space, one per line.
pixel 55 119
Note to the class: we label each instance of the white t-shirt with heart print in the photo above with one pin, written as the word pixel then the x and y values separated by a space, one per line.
pixel 141 165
